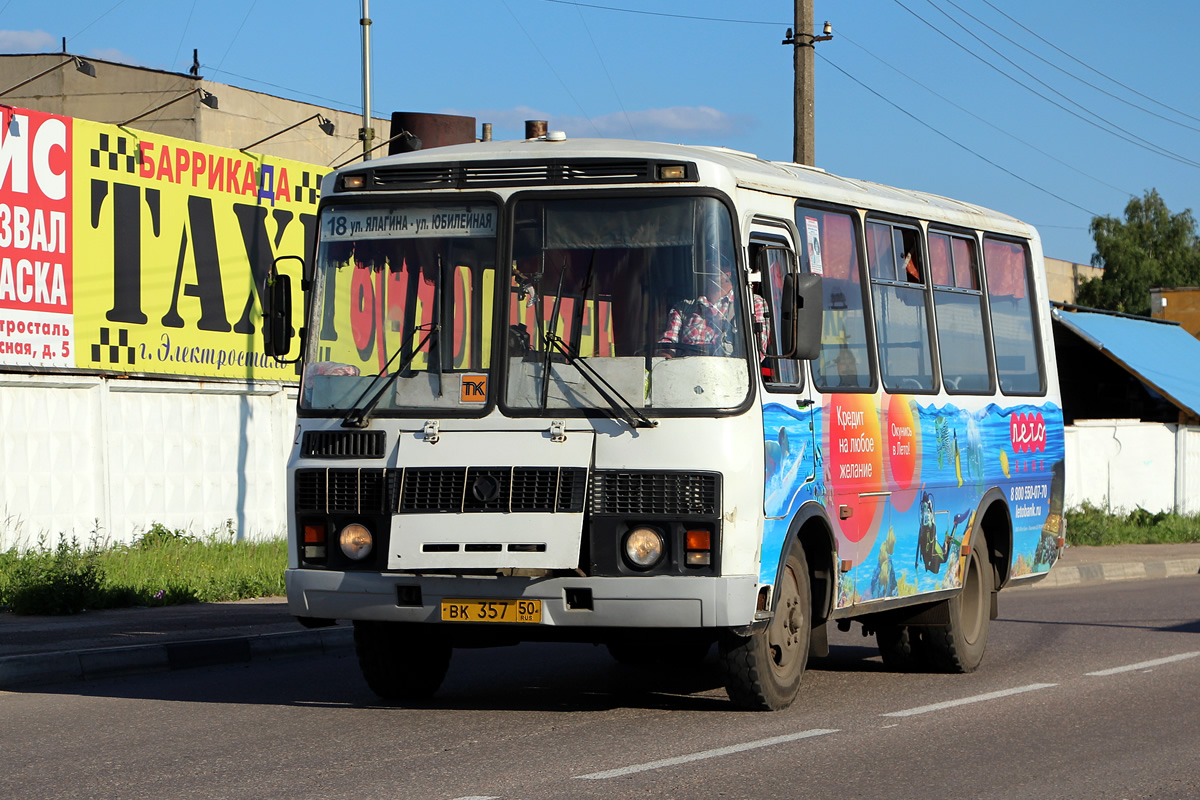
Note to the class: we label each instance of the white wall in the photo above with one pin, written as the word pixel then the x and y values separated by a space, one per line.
pixel 1119 465
pixel 95 455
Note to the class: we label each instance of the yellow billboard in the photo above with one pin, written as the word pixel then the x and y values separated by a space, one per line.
pixel 137 253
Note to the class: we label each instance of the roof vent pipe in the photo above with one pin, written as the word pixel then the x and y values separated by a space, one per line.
pixel 487 132
pixel 535 128
pixel 428 130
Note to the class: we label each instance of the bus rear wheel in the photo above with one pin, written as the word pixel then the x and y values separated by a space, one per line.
pixel 902 648
pixel 763 671
pixel 397 662
pixel 959 646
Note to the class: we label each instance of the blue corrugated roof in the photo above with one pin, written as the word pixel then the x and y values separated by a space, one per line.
pixel 1162 355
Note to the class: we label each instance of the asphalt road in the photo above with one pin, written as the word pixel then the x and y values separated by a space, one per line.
pixel 1087 692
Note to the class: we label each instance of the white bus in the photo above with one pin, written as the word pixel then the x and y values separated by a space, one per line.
pixel 662 397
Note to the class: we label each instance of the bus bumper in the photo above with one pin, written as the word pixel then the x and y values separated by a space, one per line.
pixel 618 602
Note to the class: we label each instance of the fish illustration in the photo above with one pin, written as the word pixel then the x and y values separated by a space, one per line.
pixel 1004 463
pixel 974 451
pixel 957 461
pixel 942 434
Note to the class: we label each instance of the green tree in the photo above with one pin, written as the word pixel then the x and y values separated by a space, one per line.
pixel 1150 248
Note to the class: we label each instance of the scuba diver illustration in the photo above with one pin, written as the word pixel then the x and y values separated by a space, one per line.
pixel 928 549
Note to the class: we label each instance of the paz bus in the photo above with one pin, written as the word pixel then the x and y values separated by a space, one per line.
pixel 661 398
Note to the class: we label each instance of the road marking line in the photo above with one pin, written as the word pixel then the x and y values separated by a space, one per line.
pixel 1158 662
pixel 979 698
pixel 720 751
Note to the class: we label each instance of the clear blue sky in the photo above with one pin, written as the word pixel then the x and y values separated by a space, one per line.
pixel 1052 133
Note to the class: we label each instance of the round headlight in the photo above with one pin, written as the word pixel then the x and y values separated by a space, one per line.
pixel 355 541
pixel 644 547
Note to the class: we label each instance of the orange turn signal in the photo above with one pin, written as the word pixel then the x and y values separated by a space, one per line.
pixel 314 533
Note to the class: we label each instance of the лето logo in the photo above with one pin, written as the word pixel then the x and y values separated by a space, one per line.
pixel 1028 432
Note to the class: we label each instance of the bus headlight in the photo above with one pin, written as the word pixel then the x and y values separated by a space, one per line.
pixel 644 547
pixel 356 541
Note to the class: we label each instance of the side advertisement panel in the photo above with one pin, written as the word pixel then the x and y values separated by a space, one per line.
pixel 902 480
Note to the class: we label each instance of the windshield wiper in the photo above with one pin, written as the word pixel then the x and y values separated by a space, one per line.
pixel 357 416
pixel 548 337
pixel 623 409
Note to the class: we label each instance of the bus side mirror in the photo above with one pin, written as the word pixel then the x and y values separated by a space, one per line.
pixel 806 299
pixel 787 318
pixel 277 314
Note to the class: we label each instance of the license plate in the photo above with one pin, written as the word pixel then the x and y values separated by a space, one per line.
pixel 491 611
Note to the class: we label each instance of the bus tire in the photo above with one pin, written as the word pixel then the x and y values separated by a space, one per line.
pixel 901 647
pixel 763 671
pixel 959 646
pixel 398 663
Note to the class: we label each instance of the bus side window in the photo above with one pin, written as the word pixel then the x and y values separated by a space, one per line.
pixel 958 306
pixel 901 315
pixel 831 250
pixel 773 265
pixel 1018 357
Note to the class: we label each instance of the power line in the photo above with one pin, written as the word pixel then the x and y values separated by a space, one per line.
pixel 955 142
pixel 991 125
pixel 1088 66
pixel 182 34
pixel 604 66
pixel 1130 138
pixel 341 101
pixel 663 14
pixel 1069 74
pixel 1103 121
pixel 97 19
pixel 533 42
pixel 237 33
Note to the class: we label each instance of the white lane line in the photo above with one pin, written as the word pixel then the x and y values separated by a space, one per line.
pixel 1158 662
pixel 720 751
pixel 979 698
pixel 478 797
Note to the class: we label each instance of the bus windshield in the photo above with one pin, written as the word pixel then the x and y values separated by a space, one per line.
pixel 402 290
pixel 624 302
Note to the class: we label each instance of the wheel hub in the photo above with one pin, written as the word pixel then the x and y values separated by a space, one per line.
pixel 788 625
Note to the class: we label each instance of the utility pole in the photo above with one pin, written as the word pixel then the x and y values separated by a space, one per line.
pixel 804 108
pixel 367 133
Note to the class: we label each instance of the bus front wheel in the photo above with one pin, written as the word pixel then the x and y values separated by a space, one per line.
pixel 763 671
pixel 959 646
pixel 398 663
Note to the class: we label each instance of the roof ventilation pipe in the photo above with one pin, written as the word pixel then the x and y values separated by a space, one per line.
pixel 535 128
pixel 428 130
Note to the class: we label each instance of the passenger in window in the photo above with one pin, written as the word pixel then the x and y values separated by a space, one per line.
pixel 847 367
pixel 912 267
pixel 708 325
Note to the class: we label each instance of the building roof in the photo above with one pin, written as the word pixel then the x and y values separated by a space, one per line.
pixel 1161 354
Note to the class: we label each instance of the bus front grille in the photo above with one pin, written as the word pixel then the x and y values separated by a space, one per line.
pixel 442 490
pixel 346 491
pixel 343 444
pixel 647 492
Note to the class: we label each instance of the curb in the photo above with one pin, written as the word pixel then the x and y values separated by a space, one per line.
pixel 39 669
pixel 1062 575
